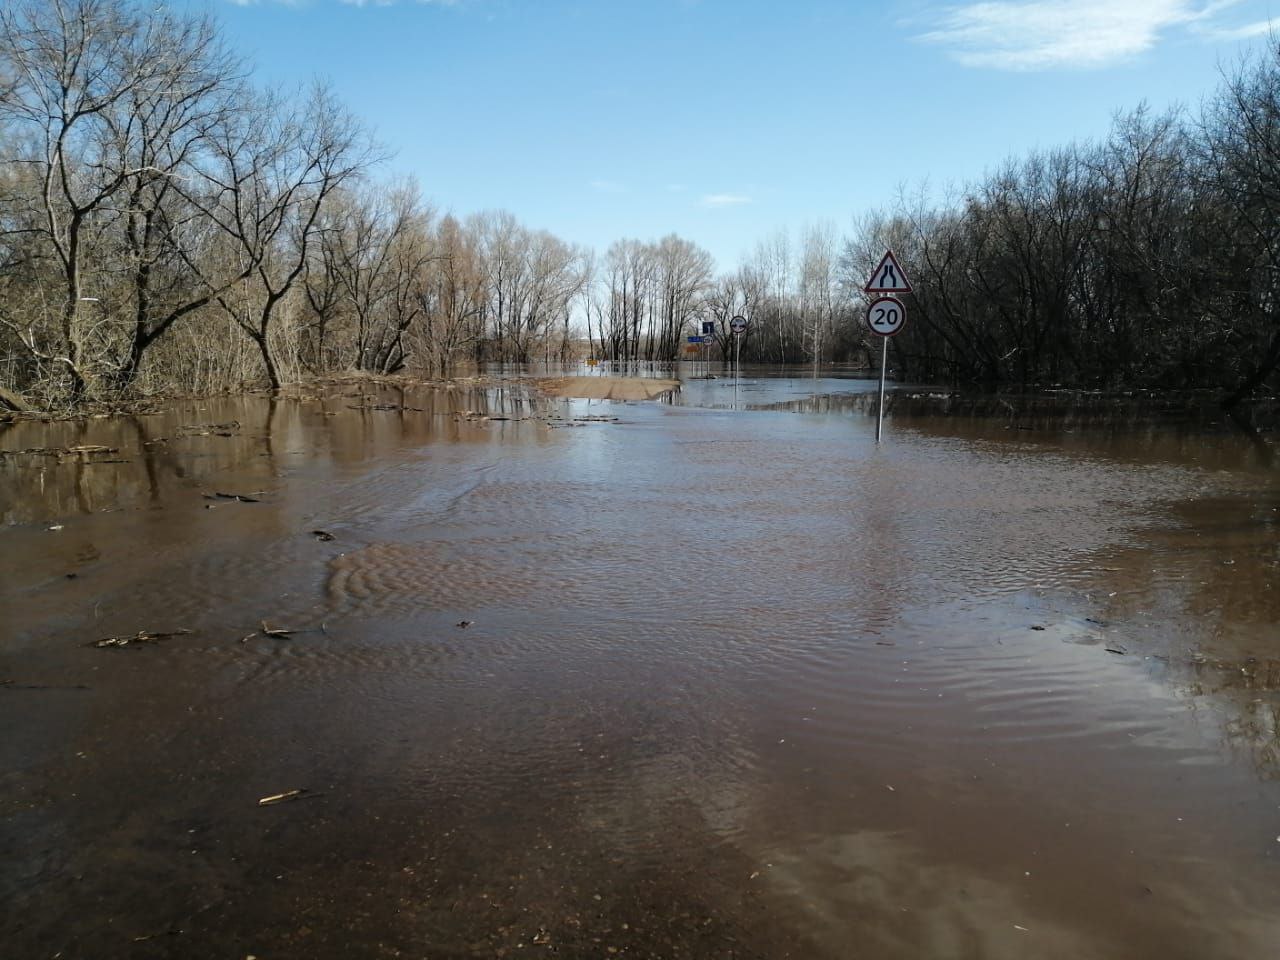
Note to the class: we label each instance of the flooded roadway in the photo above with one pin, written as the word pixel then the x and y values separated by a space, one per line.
pixel 734 681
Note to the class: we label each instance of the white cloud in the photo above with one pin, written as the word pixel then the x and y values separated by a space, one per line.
pixel 715 200
pixel 1044 34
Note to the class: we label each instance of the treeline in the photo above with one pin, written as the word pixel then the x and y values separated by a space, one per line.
pixel 167 225
pixel 1151 259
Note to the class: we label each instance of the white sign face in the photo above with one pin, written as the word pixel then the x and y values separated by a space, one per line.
pixel 886 316
pixel 738 324
pixel 888 277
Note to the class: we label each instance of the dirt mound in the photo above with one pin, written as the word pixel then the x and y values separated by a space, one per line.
pixel 607 388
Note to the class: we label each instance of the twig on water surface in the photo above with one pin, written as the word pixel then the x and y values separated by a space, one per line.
pixel 142 636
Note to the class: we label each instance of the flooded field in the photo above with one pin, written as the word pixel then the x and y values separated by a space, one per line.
pixel 717 677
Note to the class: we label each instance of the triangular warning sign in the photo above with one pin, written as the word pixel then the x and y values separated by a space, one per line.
pixel 888 277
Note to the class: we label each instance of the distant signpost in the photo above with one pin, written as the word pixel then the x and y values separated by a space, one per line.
pixel 886 314
pixel 739 326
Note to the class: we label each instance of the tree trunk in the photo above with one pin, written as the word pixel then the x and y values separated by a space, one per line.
pixel 1259 375
pixel 268 361
pixel 9 400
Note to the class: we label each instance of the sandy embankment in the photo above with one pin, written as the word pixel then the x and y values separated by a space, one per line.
pixel 607 388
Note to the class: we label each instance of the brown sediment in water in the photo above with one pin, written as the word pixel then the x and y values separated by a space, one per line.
pixel 730 685
pixel 607 388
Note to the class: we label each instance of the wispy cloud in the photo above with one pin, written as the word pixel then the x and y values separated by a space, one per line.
pixel 1047 34
pixel 1247 32
pixel 716 200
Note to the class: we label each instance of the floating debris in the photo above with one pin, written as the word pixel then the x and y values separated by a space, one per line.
pixel 241 497
pixel 324 535
pixel 283 797
pixel 82 450
pixel 155 936
pixel 210 429
pixel 14 685
pixel 142 636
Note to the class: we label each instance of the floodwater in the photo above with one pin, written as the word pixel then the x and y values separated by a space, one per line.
pixel 718 677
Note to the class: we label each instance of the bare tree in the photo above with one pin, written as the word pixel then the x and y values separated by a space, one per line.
pixel 107 104
pixel 453 295
pixel 819 287
pixel 1242 158
pixel 376 246
pixel 275 170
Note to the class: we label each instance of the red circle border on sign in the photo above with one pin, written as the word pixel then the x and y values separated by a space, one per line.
pixel 897 303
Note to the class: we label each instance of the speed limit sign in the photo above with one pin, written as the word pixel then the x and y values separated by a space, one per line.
pixel 886 316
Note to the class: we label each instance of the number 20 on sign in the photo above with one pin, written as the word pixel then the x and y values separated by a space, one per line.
pixel 886 316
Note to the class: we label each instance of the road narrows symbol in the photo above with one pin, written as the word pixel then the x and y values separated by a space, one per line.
pixel 888 277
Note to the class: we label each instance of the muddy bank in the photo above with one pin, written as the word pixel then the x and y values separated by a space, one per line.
pixel 681 681
pixel 607 387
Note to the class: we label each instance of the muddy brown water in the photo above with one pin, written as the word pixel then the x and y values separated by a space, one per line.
pixel 737 682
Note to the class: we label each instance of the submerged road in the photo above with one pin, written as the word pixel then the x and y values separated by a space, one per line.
pixel 718 678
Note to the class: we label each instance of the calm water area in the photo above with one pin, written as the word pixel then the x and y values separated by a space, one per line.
pixel 716 677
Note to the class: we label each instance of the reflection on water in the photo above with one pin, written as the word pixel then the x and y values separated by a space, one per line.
pixel 713 678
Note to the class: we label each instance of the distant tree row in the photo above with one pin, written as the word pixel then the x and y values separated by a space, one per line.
pixel 166 225
pixel 1151 259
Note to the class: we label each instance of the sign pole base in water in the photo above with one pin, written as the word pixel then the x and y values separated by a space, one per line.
pixel 886 315
pixel 884 356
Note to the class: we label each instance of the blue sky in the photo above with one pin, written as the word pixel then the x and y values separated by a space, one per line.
pixel 726 120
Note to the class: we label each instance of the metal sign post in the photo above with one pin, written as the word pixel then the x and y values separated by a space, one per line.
pixel 886 315
pixel 884 357
pixel 739 327
pixel 695 345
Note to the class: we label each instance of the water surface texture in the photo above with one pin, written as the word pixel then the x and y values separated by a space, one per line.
pixel 712 678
